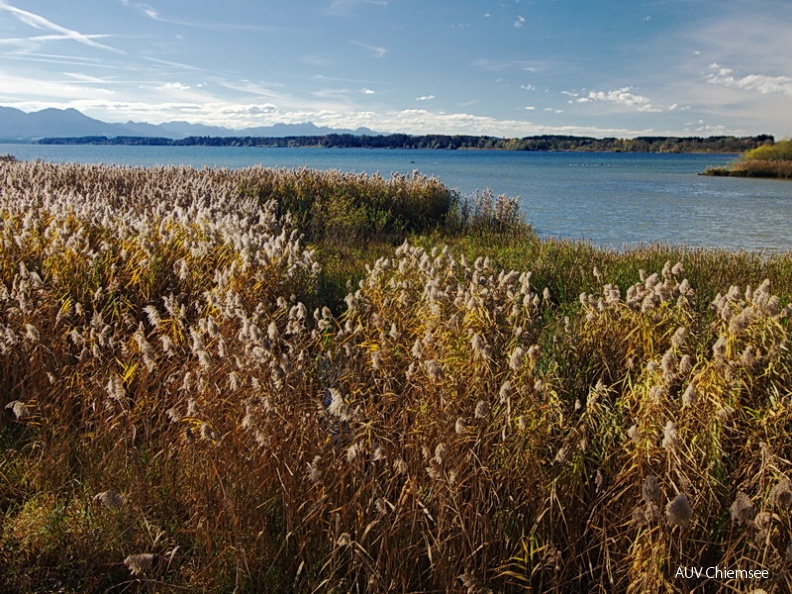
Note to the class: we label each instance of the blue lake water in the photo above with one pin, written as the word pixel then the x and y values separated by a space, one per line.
pixel 611 199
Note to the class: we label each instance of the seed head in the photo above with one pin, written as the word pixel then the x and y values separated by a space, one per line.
pixel 440 453
pixel 689 396
pixel 460 425
pixel 19 409
pixel 719 348
pixel 781 494
pixel 472 584
pixel 742 510
pixel 670 437
pixel 685 365
pixel 678 512
pixel 517 359
pixel 748 357
pixel 110 499
pixel 377 453
pixel 669 365
pixel 139 564
pixel 651 490
pixel 506 391
pixel 433 370
pixel 338 408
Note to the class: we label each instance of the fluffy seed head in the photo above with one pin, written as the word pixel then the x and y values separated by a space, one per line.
pixel 139 564
pixel 651 490
pixel 670 437
pixel 110 499
pixel 19 409
pixel 689 396
pixel 517 359
pixel 678 512
pixel 742 510
pixel 781 494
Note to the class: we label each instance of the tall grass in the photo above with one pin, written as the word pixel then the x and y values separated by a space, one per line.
pixel 542 416
pixel 772 160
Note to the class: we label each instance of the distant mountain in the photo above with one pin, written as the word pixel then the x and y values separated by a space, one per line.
pixel 55 123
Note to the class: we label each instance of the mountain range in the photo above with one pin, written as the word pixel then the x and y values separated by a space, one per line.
pixel 17 125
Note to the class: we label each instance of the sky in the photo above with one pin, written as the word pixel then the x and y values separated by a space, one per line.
pixel 506 68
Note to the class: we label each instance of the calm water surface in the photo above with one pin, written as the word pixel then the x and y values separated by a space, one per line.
pixel 611 199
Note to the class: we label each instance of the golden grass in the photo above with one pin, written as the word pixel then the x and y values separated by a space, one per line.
pixel 176 419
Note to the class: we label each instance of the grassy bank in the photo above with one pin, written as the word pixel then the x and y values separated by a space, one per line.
pixel 194 399
pixel 771 161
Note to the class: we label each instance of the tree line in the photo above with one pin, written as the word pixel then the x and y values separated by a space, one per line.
pixel 641 144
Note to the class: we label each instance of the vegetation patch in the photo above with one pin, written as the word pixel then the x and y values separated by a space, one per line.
pixel 193 398
pixel 769 160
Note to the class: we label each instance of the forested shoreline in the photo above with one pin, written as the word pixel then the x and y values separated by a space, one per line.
pixel 642 144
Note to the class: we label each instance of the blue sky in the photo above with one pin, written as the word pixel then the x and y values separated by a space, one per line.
pixel 506 68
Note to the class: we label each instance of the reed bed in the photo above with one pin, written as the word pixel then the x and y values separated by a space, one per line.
pixel 183 414
pixel 778 168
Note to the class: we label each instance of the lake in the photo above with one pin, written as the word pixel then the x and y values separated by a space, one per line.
pixel 611 199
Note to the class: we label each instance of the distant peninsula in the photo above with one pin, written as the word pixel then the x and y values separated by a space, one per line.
pixel 642 144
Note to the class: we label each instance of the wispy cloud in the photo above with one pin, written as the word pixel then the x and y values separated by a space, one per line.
pixel 339 6
pixel 500 65
pixel 761 83
pixel 146 9
pixel 519 22
pixel 172 64
pixel 424 97
pixel 154 14
pixel 86 78
pixel 374 50
pixel 39 22
pixel 622 96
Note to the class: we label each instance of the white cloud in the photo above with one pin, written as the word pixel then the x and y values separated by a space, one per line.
pixel 621 96
pixel 368 91
pixel 42 24
pixel 528 87
pixel 375 51
pixel 241 115
pixel 176 86
pixel 425 98
pixel 519 22
pixel 762 83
